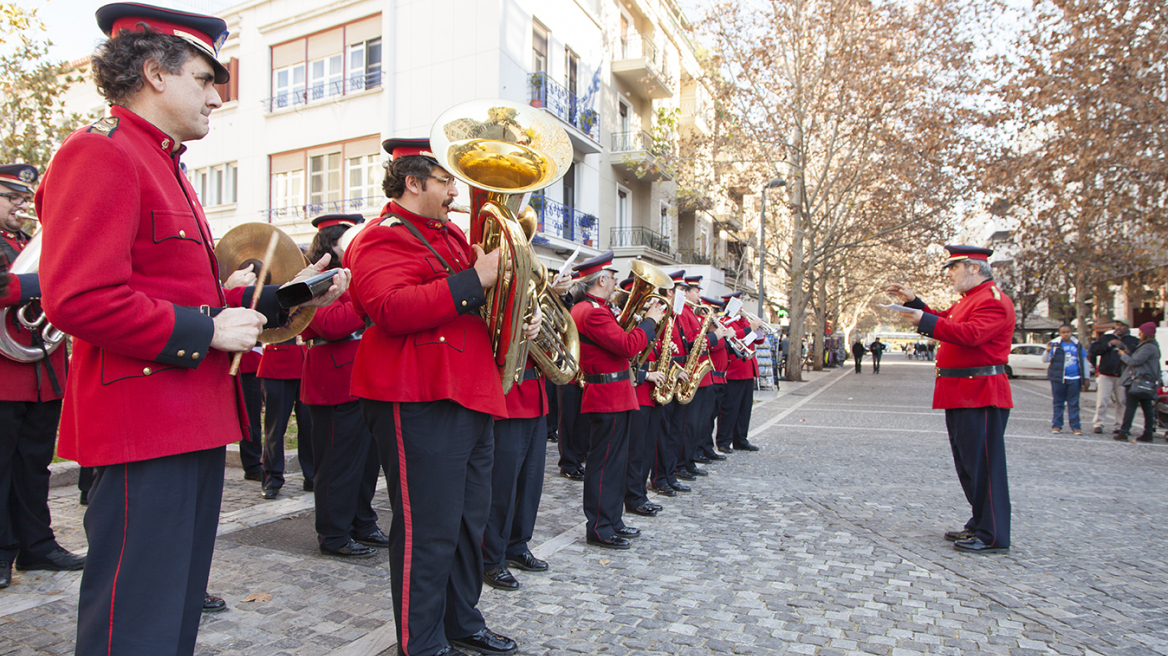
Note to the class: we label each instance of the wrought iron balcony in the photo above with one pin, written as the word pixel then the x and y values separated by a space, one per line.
pixel 643 66
pixel 694 257
pixel 552 96
pixel 311 210
pixel 638 236
pixel 322 91
pixel 640 156
pixel 559 220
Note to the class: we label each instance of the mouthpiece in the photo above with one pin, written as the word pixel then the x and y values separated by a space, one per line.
pixel 25 216
pixel 461 209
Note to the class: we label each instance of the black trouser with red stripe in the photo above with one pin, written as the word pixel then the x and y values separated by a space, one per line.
pixel 643 430
pixel 516 488
pixel 573 428
pixel 151 529
pixel 698 424
pixel 977 437
pixel 734 417
pixel 345 468
pixel 669 444
pixel 606 473
pixel 28 433
pixel 437 458
pixel 552 423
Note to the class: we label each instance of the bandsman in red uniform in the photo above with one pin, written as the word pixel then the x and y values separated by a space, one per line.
pixel 699 421
pixel 281 366
pixel 741 370
pixel 344 463
pixel 429 387
pixel 975 336
pixel 30 405
pixel 251 450
pixel 644 429
pixel 720 358
pixel 573 426
pixel 608 400
pixel 128 270
pixel 671 432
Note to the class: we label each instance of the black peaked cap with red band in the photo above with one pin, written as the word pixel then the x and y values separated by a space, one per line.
pixel 328 220
pixel 406 147
pixel 597 264
pixel 205 33
pixel 962 253
pixel 19 177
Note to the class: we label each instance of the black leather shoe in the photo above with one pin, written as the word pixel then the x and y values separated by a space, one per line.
pixel 57 560
pixel 614 542
pixel 643 510
pixel 702 460
pixel 213 604
pixel 654 506
pixel 745 446
pixel 573 475
pixel 629 532
pixel 5 574
pixel 253 476
pixel 1098 430
pixel 1145 438
pixel 528 563
pixel 487 642
pixel 977 546
pixel 713 455
pixel 665 491
pixel 697 471
pixel 554 437
pixel 270 492
pixel 684 475
pixel 725 449
pixel 680 488
pixel 500 579
pixel 350 550
pixel 374 539
pixel 963 534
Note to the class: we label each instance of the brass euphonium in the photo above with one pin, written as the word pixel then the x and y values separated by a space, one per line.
pixel 29 315
pixel 504 150
pixel 647 279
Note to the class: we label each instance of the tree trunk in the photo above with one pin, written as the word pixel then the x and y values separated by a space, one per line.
pixel 820 317
pixel 798 268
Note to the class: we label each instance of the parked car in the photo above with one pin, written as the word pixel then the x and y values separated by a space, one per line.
pixel 1026 360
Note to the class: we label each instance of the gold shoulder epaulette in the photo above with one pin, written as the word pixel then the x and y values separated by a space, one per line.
pixel 391 221
pixel 105 126
pixel 997 294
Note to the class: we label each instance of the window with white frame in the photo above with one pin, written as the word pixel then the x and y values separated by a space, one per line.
pixel 326 77
pixel 324 178
pixel 287 189
pixel 215 185
pixel 365 64
pixel 666 225
pixel 365 174
pixel 288 86
pixel 624 207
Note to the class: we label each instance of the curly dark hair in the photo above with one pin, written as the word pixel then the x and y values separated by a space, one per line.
pixel 117 63
pixel 403 167
pixel 324 242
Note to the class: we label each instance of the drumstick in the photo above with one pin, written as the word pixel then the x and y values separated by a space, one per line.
pixel 259 288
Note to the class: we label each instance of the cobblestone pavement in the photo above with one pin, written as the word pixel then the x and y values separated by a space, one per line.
pixel 828 541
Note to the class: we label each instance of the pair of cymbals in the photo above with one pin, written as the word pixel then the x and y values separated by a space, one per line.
pixel 250 241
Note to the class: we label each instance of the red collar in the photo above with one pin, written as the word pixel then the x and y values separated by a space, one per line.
pixel 417 219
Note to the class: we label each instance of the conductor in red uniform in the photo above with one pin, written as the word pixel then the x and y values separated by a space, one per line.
pixel 429 387
pixel 128 270
pixel 30 404
pixel 975 335
pixel 609 399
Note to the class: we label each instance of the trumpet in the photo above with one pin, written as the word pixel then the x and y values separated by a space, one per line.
pixel 766 327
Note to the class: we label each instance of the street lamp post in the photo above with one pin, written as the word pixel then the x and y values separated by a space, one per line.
pixel 777 182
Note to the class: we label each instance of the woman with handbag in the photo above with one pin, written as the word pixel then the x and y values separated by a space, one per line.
pixel 1141 377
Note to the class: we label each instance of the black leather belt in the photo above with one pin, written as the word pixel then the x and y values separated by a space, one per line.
pixel 718 374
pixel 530 374
pixel 600 379
pixel 971 372
pixel 317 341
pixel 679 359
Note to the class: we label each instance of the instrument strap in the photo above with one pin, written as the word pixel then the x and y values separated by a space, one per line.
pixel 46 363
pixel 418 233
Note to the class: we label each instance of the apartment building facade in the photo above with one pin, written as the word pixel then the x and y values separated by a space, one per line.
pixel 316 88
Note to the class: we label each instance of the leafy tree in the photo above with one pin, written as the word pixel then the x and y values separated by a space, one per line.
pixel 33 121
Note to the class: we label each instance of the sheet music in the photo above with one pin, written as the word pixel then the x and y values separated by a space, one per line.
pixel 566 270
pixel 898 308
pixel 733 307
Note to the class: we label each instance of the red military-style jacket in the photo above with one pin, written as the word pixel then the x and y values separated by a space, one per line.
pixel 328 367
pixel 250 362
pixel 975 332
pixel 283 361
pixel 26 381
pixel 127 263
pixel 743 368
pixel 427 342
pixel 528 397
pixel 606 349
pixel 692 324
pixel 720 357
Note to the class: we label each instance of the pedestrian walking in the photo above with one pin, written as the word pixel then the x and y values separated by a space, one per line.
pixel 1068 375
pixel 877 350
pixel 858 352
pixel 1142 366
pixel 1109 368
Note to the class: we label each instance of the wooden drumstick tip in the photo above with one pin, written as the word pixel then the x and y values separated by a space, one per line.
pixel 259 288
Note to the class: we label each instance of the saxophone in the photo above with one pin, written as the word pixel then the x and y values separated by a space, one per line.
pixel 694 365
pixel 663 392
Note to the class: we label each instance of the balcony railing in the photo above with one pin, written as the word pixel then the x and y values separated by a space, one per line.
pixel 694 257
pixel 323 91
pixel 549 94
pixel 559 220
pixel 311 210
pixel 626 142
pixel 638 236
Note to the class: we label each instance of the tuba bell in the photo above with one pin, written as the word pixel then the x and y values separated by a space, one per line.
pixel 503 151
pixel 647 279
pixel 29 315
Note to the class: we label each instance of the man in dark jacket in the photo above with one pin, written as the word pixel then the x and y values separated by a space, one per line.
pixel 858 352
pixel 1105 352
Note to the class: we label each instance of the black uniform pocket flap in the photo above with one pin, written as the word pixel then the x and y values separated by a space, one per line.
pixel 119 367
pixel 175 224
pixel 455 338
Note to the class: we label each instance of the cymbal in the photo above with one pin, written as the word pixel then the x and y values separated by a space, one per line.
pixel 250 240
